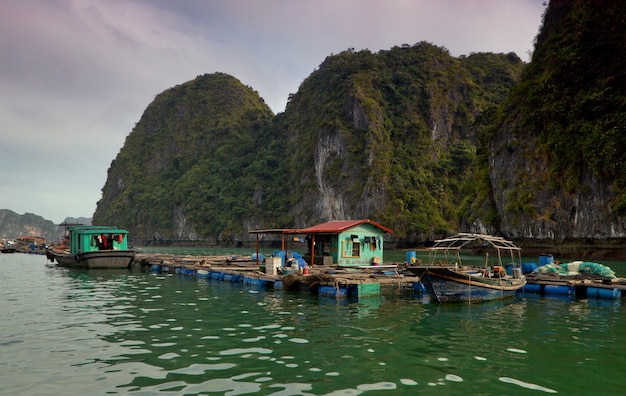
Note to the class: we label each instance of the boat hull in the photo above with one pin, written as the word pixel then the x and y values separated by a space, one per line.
pixel 102 259
pixel 449 285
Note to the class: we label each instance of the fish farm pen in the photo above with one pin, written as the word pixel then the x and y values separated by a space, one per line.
pixel 338 282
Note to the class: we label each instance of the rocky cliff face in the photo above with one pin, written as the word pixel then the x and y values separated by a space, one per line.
pixel 549 212
pixel 423 142
pixel 180 175
pixel 13 225
pixel 546 157
pixel 387 135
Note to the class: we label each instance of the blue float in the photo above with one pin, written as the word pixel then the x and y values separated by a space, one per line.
pixel 528 268
pixel 532 288
pixel 546 259
pixel 604 294
pixel 411 256
pixel 331 291
pixel 559 290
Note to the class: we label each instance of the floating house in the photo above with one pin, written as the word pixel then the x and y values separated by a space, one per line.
pixel 346 243
pixel 30 244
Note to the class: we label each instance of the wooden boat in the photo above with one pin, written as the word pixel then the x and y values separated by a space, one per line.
pixel 93 247
pixel 449 280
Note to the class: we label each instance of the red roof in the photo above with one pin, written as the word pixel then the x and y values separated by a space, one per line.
pixel 337 226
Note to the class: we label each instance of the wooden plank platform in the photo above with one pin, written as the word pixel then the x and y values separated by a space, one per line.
pixel 345 281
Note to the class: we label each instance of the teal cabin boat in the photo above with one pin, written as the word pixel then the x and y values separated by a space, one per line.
pixel 93 247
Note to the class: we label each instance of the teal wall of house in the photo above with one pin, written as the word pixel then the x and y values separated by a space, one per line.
pixel 357 246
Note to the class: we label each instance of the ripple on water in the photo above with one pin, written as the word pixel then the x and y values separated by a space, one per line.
pixel 199 369
pixel 241 351
pixel 526 385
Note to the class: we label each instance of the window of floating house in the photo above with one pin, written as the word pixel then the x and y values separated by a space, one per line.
pixel 356 249
pixel 351 248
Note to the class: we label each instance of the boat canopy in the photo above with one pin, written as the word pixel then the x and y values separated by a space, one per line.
pixel 454 244
pixel 465 240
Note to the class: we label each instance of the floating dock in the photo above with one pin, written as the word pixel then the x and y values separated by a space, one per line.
pixel 326 281
pixel 580 287
pixel 352 282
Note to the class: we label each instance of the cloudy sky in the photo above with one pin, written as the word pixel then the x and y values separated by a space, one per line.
pixel 76 75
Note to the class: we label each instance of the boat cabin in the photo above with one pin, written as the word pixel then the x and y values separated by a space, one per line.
pixel 94 238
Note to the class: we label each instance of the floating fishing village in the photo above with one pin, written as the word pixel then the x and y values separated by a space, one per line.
pixel 345 260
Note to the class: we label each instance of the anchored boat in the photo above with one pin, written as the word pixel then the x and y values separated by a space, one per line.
pixel 449 280
pixel 93 247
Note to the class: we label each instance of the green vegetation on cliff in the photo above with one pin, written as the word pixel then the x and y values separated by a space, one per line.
pixel 180 174
pixel 421 141
pixel 388 136
pixel 561 133
pixel 401 130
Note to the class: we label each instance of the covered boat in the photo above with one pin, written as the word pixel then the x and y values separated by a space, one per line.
pixel 93 247
pixel 450 280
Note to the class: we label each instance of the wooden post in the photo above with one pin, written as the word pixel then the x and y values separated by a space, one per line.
pixel 312 250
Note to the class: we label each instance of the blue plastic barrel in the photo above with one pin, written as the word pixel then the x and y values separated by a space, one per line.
pixel 545 259
pixel 532 288
pixel 419 287
pixel 527 268
pixel 559 290
pixel 330 291
pixel 509 269
pixel 411 256
pixel 604 294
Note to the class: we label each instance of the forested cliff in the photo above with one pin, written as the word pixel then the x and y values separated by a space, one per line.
pixel 421 141
pixel 554 158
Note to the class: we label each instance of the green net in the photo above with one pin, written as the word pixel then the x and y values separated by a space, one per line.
pixel 576 268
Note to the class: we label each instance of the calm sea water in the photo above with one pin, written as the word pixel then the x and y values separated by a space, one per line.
pixel 72 332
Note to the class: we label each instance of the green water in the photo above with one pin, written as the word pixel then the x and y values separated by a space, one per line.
pixel 71 332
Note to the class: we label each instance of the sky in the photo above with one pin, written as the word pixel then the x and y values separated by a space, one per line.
pixel 76 75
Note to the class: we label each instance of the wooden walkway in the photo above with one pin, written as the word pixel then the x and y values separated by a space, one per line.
pixel 340 282
pixel 331 281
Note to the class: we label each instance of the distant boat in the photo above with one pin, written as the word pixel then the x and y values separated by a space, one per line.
pixel 451 281
pixel 93 247
pixel 8 249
